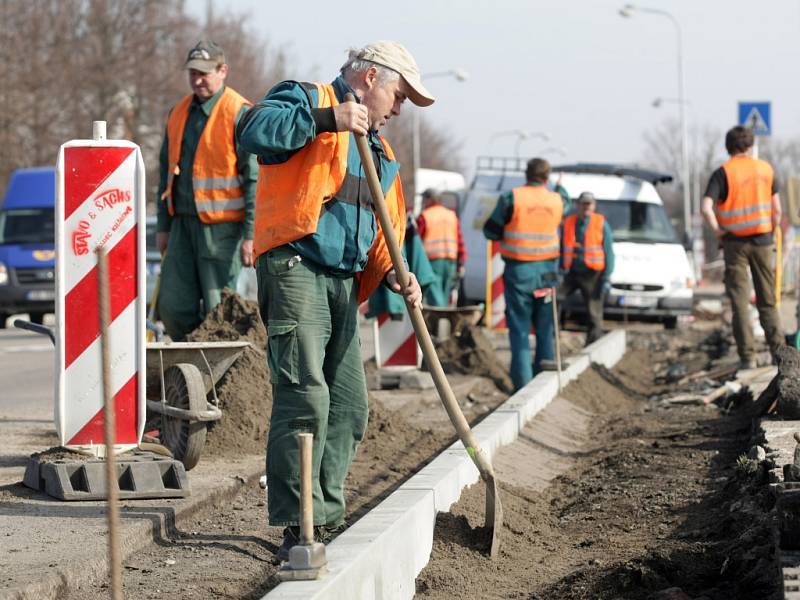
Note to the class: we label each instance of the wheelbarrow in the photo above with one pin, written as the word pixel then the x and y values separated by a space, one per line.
pixel 180 375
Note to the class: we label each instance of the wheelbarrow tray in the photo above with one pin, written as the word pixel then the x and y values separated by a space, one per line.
pixel 212 359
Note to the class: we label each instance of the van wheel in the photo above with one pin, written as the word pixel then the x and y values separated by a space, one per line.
pixel 37 317
pixel 3 318
pixel 671 323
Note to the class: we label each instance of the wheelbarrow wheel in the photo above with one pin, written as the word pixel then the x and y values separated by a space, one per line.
pixel 184 388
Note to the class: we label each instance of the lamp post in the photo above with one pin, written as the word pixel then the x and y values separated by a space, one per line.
pixel 521 136
pixel 556 150
pixel 460 75
pixel 627 11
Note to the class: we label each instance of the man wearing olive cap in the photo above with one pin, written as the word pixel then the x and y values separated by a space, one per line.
pixel 320 253
pixel 587 258
pixel 206 195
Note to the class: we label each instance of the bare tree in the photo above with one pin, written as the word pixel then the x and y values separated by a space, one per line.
pixel 65 63
pixel 706 153
pixel 439 149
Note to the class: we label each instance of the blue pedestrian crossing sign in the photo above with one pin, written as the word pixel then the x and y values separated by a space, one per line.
pixel 756 116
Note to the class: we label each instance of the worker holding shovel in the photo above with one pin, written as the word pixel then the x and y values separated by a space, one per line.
pixel 320 253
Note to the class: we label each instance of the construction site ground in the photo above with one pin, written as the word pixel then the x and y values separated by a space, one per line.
pixel 610 493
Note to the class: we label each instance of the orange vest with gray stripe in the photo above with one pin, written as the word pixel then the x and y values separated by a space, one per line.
pixel 532 232
pixel 290 196
pixel 441 232
pixel 748 208
pixel 218 191
pixel 594 256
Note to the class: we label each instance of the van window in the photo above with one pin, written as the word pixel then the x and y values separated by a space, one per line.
pixel 497 183
pixel 637 221
pixel 27 226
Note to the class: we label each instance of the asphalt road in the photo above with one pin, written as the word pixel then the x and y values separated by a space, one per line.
pixel 26 375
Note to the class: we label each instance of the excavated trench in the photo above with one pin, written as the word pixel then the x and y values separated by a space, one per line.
pixel 648 498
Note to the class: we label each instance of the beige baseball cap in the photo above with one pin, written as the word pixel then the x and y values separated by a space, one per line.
pixel 395 56
pixel 205 57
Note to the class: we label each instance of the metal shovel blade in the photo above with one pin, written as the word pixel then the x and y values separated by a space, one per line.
pixel 494 515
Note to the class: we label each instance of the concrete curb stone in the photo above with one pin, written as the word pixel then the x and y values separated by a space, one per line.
pixel 380 556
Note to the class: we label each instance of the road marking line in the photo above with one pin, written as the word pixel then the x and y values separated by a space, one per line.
pixel 26 348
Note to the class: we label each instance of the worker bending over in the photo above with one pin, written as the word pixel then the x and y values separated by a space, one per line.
pixel 320 253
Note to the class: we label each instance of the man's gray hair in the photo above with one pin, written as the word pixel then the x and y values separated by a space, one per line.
pixel 354 65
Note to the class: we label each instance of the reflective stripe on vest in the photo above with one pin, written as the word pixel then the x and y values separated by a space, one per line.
pixel 594 255
pixel 748 208
pixel 532 232
pixel 218 191
pixel 441 232
pixel 290 197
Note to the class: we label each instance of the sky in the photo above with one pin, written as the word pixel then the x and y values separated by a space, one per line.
pixel 574 69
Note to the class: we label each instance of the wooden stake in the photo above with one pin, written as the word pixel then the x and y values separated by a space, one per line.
pixel 109 418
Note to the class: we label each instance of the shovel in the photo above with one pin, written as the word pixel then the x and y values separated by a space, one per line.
pixel 494 510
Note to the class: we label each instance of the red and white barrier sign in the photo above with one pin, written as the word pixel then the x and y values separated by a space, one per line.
pixel 100 202
pixel 495 299
pixel 395 342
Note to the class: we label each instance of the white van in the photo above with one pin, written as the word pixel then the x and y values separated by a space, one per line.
pixel 652 278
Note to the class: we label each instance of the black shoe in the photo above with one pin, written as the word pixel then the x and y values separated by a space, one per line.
pixel 326 533
pixel 291 537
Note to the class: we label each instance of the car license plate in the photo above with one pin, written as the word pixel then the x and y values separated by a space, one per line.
pixel 638 301
pixel 40 295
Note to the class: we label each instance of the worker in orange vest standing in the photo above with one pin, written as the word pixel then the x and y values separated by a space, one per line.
pixel 206 196
pixel 587 258
pixel 526 221
pixel 440 231
pixel 742 207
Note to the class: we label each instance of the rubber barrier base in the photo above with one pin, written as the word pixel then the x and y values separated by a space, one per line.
pixel 140 475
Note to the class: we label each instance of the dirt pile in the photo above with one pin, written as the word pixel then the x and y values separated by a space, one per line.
pixel 472 353
pixel 245 394
pixel 654 501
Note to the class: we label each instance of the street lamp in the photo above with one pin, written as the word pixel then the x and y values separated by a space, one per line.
pixel 557 150
pixel 460 75
pixel 521 136
pixel 627 11
pixel 657 102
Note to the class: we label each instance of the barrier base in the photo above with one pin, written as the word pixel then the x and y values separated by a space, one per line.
pixel 140 475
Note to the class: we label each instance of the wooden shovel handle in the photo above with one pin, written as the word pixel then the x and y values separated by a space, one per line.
pixel 423 336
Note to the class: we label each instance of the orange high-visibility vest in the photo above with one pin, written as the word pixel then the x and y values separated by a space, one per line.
pixel 593 254
pixel 218 191
pixel 290 195
pixel 532 232
pixel 748 208
pixel 441 232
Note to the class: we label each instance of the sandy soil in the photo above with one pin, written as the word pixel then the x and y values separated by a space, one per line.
pixel 653 502
pixel 227 552
pixel 652 499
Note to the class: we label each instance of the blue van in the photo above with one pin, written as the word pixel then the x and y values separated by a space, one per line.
pixel 27 244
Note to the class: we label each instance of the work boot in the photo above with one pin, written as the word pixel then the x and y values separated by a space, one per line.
pixel 748 363
pixel 326 533
pixel 291 537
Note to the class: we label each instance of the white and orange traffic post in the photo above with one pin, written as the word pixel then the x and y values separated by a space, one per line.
pixel 395 342
pixel 495 318
pixel 100 204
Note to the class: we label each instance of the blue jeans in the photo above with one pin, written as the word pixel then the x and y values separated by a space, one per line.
pixel 522 311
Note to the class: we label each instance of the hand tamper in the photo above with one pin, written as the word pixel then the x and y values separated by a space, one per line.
pixel 306 559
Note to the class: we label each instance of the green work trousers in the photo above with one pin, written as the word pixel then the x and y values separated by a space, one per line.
pixel 739 254
pixel 438 292
pixel 318 383
pixel 200 260
pixel 590 285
